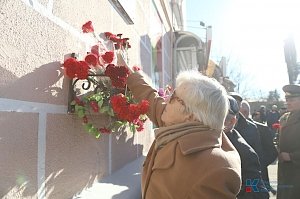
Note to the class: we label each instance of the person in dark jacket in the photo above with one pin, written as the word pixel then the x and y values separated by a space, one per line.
pixel 247 129
pixel 263 114
pixel 273 117
pixel 269 151
pixel 253 186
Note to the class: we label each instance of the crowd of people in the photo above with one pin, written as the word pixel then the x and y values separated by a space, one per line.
pixel 269 117
pixel 207 145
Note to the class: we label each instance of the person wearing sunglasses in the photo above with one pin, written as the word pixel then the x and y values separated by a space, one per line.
pixel 190 157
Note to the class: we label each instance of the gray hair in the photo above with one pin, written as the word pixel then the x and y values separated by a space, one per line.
pixel 204 97
pixel 245 108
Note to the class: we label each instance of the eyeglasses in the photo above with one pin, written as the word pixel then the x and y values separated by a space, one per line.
pixel 173 97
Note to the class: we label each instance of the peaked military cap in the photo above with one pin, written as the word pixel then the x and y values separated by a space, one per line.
pixel 291 90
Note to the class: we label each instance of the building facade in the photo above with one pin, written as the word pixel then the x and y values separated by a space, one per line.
pixel 45 152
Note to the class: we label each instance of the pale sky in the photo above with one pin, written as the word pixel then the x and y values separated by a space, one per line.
pixel 251 34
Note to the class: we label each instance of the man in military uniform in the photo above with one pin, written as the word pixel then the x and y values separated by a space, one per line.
pixel 289 146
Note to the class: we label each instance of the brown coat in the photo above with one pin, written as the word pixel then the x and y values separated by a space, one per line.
pixel 289 172
pixel 202 165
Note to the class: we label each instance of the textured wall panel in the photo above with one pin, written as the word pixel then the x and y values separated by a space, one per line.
pixel 18 157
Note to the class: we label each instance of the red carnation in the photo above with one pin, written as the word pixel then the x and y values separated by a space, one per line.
pixel 71 66
pixel 108 57
pixel 144 106
pixel 104 130
pixel 276 126
pixel 108 35
pixel 69 62
pixel 88 27
pixel 82 70
pixel 140 125
pixel 94 106
pixel 117 74
pixel 91 59
pixel 114 38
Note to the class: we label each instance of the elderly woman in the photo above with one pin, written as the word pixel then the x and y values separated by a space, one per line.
pixel 190 156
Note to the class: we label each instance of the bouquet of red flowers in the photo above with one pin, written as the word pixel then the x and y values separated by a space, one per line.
pixel 114 100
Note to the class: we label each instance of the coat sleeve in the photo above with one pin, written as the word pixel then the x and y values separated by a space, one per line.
pixel 269 150
pixel 223 183
pixel 142 90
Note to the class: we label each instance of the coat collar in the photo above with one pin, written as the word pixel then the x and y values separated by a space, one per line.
pixel 294 117
pixel 199 141
pixel 188 144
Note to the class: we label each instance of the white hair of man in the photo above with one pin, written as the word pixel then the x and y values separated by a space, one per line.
pixel 204 97
pixel 245 109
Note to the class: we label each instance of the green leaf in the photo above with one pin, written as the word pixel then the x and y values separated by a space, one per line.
pixel 98 98
pixel 93 130
pixel 110 112
pixel 81 113
pixel 77 107
pixel 73 103
pixel 100 103
pixel 87 127
pixel 104 109
pixel 120 123
pixel 132 128
pixel 117 124
pixel 98 135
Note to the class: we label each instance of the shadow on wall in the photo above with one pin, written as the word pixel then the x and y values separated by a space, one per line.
pixel 124 149
pixel 74 159
pixel 37 86
pixel 19 130
pixel 87 161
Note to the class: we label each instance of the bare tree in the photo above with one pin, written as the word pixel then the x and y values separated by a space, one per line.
pixel 242 80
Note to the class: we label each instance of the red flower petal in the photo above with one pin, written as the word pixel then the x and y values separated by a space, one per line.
pixel 276 126
pixel 105 130
pixel 88 27
pixel 69 62
pixel 94 106
pixel 91 59
pixel 95 50
pixel 82 70
pixel 144 106
pixel 108 35
pixel 108 57
pixel 71 66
